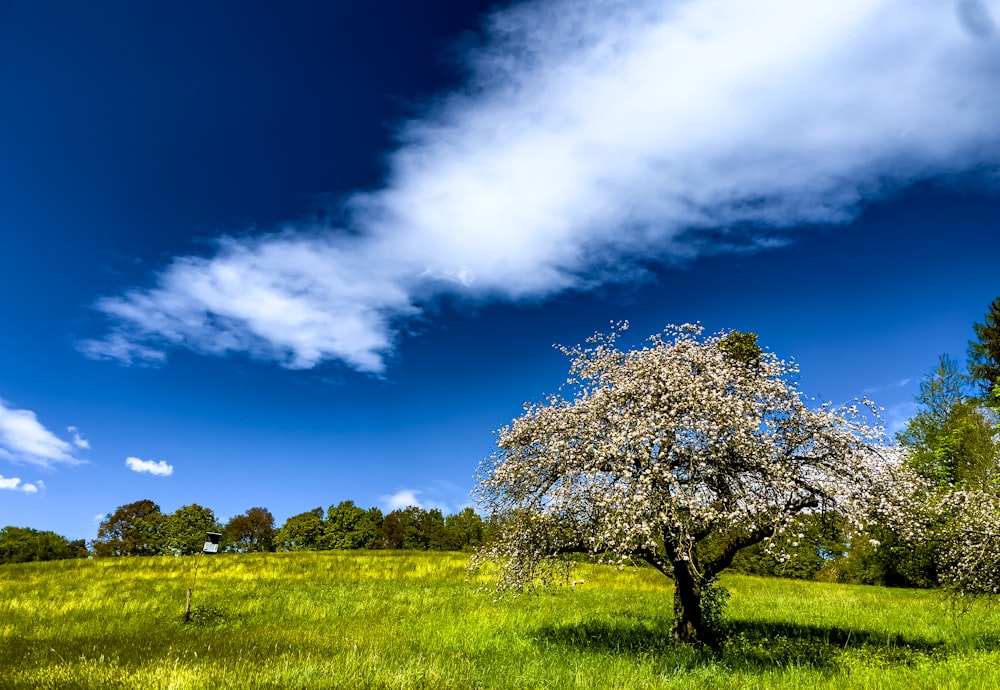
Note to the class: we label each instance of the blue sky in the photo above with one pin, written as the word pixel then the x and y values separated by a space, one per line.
pixel 286 255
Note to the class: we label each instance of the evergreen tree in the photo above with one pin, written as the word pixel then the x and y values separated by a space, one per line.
pixel 984 352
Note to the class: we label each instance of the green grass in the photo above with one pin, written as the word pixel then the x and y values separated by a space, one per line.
pixel 412 620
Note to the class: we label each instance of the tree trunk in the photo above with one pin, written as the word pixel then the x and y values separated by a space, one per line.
pixel 687 603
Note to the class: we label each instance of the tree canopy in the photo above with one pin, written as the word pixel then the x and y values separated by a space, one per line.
pixel 251 531
pixel 134 529
pixel 23 545
pixel 681 453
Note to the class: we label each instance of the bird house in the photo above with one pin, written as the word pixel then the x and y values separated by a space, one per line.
pixel 211 542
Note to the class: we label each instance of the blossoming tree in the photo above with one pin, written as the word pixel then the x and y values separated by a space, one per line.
pixel 680 454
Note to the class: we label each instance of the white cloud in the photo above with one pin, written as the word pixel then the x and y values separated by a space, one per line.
pixel 593 137
pixel 445 496
pixel 159 469
pixel 24 440
pixel 78 440
pixel 15 484
pixel 404 498
pixel 97 519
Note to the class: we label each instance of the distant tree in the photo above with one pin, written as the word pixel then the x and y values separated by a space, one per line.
pixel 984 352
pixel 463 531
pixel 186 528
pixel 813 543
pixel 950 440
pixel 351 527
pixel 399 527
pixel 682 454
pixel 24 545
pixel 134 529
pixel 414 528
pixel 251 531
pixel 302 532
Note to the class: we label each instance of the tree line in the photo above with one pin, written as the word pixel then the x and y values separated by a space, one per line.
pixel 141 528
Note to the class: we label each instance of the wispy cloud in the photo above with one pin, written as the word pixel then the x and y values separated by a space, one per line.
pixel 156 468
pixel 445 496
pixel 591 139
pixel 24 440
pixel 15 484
pixel 404 498
pixel 901 383
pixel 78 440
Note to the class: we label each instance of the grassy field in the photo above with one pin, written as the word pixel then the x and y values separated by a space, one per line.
pixel 412 620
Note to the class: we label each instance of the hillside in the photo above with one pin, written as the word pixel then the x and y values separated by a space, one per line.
pixel 413 620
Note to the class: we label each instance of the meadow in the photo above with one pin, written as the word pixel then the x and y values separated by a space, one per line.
pixel 390 619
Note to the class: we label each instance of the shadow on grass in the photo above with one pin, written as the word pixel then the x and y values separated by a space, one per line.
pixel 750 645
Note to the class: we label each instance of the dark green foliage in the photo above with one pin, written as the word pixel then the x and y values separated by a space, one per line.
pixel 25 545
pixel 134 529
pixel 301 532
pixel 883 559
pixel 186 529
pixel 351 527
pixel 464 531
pixel 984 352
pixel 742 347
pixel 814 542
pixel 414 528
pixel 141 529
pixel 250 532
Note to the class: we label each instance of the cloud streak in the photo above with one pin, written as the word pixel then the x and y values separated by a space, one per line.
pixel 24 440
pixel 590 140
pixel 156 468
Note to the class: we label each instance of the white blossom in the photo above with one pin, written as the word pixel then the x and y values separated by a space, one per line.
pixel 679 453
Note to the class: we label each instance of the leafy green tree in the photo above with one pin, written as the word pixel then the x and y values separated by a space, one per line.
pixel 134 529
pixel 186 528
pixel 351 527
pixel 302 532
pixel 251 531
pixel 886 560
pixel 24 545
pixel 984 352
pixel 950 440
pixel 414 528
pixel 463 531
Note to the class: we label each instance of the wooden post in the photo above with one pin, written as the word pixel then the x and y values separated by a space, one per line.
pixel 190 592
